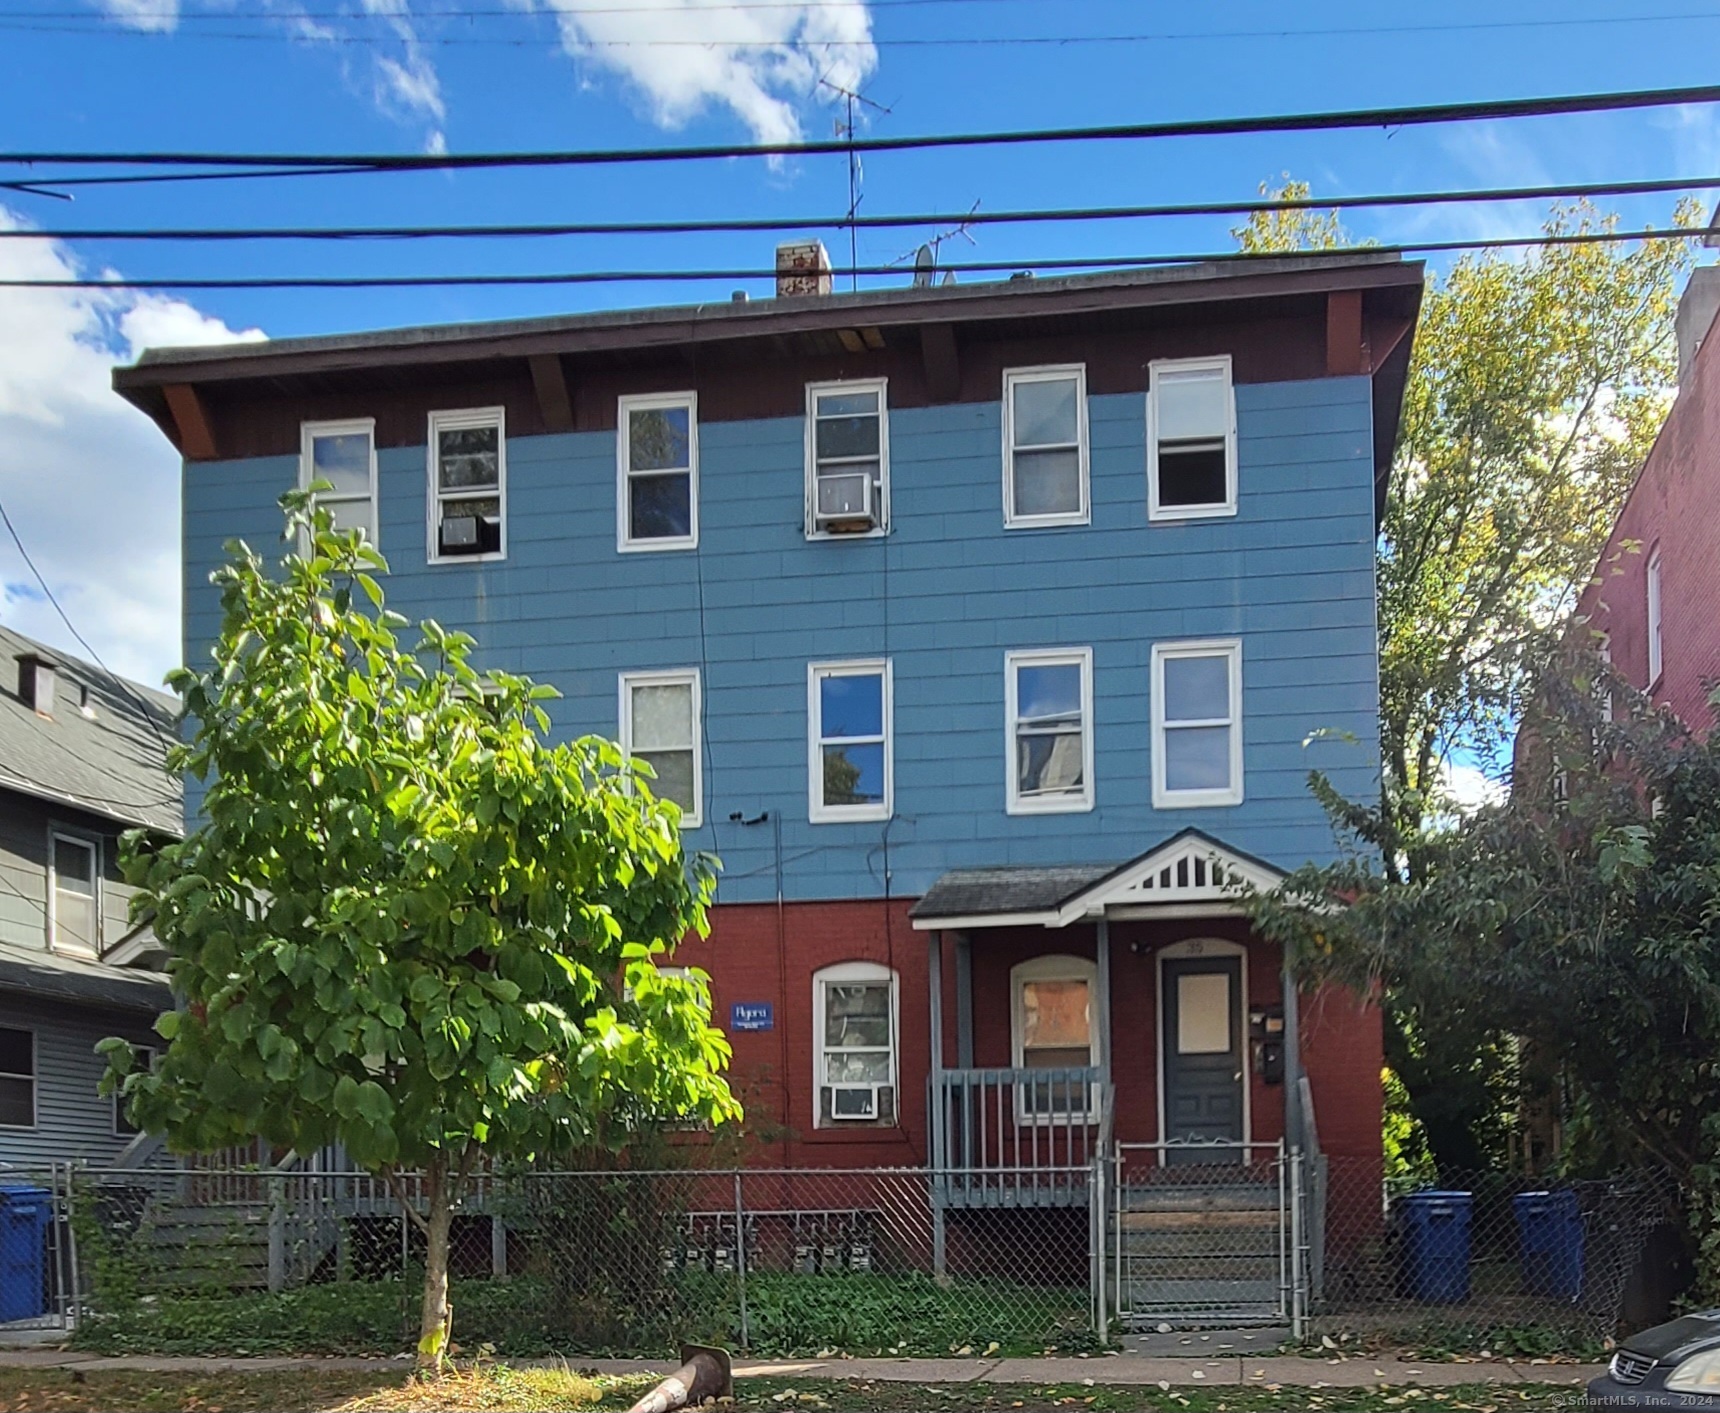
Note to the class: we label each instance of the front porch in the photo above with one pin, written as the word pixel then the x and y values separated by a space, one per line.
pixel 1117 1039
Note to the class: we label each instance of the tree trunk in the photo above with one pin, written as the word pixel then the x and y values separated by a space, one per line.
pixel 437 1321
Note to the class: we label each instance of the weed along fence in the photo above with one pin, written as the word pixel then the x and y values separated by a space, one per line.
pixel 189 1259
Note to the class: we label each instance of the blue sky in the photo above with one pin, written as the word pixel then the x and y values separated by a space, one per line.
pixel 94 488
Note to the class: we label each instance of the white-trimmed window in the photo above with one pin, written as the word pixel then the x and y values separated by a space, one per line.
pixel 74 894
pixel 1045 446
pixel 1604 689
pixel 855 1033
pixel 1191 439
pixel 847 459
pixel 17 1077
pixel 1654 655
pixel 142 1058
pixel 657 486
pixel 851 773
pixel 660 724
pixel 1197 723
pixel 1052 1028
pixel 468 466
pixel 1049 704
pixel 344 455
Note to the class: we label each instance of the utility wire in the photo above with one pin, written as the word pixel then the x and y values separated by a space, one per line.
pixel 98 25
pixel 976 217
pixel 120 682
pixel 1200 127
pixel 1022 267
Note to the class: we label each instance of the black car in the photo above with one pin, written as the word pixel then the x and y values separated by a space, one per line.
pixel 1672 1366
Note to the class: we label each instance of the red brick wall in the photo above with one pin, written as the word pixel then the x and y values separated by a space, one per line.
pixel 1673 505
pixel 756 953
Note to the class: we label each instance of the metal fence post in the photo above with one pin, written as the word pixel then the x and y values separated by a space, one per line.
pixel 1097 1198
pixel 277 1234
pixel 75 1311
pixel 1298 1252
pixel 741 1262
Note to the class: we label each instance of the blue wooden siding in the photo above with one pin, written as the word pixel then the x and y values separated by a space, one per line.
pixel 1292 575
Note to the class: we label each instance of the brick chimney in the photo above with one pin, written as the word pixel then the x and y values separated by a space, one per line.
pixel 802 267
pixel 36 678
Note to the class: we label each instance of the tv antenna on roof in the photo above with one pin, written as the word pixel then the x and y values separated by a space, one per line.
pixel 846 129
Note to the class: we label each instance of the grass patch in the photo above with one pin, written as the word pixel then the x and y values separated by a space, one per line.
pixel 789 1316
pixel 500 1389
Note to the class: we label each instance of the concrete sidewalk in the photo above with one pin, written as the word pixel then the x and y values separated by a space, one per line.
pixel 1113 1370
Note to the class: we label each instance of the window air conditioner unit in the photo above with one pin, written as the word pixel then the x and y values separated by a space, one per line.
pixel 854 1101
pixel 845 502
pixel 459 534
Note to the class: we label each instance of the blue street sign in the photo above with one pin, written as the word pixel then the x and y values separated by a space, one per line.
pixel 752 1015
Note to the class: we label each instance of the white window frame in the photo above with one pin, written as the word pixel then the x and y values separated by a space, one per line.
pixel 849 973
pixel 670 677
pixel 881 516
pixel 1603 650
pixel 644 402
pixel 56 836
pixel 35 1078
pixel 1047 373
pixel 1656 655
pixel 351 426
pixel 453 421
pixel 1013 662
pixel 1054 967
pixel 817 811
pixel 1166 799
pixel 1155 370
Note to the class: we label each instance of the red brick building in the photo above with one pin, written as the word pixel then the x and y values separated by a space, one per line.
pixel 1655 596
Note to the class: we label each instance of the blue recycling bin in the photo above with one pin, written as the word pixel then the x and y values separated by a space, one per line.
pixel 1551 1230
pixel 25 1214
pixel 1435 1231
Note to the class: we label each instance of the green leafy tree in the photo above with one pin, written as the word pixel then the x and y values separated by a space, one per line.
pixel 1536 386
pixel 408 923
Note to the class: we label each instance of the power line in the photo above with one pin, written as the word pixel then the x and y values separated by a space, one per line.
pixel 72 628
pixel 1053 215
pixel 88 24
pixel 1024 267
pixel 1414 116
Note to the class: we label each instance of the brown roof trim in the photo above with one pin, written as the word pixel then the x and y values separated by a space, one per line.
pixel 674 326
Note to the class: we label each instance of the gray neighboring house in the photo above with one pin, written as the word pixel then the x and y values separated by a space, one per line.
pixel 81 762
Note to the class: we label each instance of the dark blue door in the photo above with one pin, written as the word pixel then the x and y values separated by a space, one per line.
pixel 1201 1051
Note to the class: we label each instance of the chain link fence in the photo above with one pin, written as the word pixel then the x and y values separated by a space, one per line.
pixel 815 1262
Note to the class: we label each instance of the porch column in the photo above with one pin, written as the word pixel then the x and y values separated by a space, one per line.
pixel 937 1108
pixel 964 1002
pixel 1102 998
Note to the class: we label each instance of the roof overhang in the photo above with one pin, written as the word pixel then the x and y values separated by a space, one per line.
pixel 1191 874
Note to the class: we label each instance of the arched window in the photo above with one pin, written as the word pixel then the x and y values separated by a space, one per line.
pixel 855 1044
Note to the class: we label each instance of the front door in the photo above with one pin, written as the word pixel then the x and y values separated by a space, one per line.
pixel 1201 1045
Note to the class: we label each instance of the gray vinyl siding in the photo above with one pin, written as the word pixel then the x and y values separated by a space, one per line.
pixel 72 1120
pixel 25 824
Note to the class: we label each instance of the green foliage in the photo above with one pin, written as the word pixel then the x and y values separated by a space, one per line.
pixel 408 924
pixel 789 1316
pixel 1408 1164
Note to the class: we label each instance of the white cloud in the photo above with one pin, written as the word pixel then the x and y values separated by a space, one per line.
pixel 151 16
pixel 90 483
pixel 409 84
pixel 1466 788
pixel 762 63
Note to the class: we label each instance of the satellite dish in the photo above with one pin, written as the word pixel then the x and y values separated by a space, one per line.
pixel 949 277
pixel 925 264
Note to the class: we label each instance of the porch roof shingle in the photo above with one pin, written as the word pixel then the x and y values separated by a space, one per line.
pixel 1028 888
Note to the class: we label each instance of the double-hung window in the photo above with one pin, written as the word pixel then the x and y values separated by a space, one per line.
pixel 660 726
pixel 17 1077
pixel 1191 439
pixel 344 455
pixel 1197 723
pixel 850 771
pixel 1049 699
pixel 1045 446
pixel 468 485
pixel 1655 661
pixel 854 1010
pixel 847 458
pixel 74 918
pixel 1053 1029
pixel 657 487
